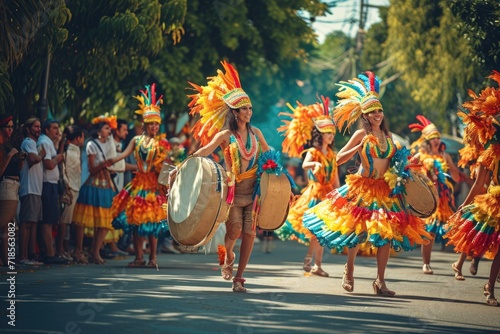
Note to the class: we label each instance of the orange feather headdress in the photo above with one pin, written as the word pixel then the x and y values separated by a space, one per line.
pixel 213 101
pixel 482 121
pixel 111 121
pixel 298 130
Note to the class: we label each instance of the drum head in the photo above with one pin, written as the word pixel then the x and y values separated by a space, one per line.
pixel 185 190
pixel 197 201
pixel 421 195
pixel 275 196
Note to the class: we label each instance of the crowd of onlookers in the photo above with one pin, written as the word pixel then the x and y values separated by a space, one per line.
pixel 41 171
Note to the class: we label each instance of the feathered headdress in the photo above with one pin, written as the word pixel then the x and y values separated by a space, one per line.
pixel 149 105
pixel 357 96
pixel 428 129
pixel 482 120
pixel 111 121
pixel 213 101
pixel 298 130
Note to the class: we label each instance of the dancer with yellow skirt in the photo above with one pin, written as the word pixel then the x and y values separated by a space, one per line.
pixel 367 207
pixel 314 126
pixel 93 207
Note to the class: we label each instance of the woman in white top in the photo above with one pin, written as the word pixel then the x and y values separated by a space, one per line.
pixel 93 206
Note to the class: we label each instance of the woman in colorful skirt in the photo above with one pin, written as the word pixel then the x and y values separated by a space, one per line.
pixel 437 165
pixel 310 124
pixel 138 208
pixel 475 228
pixel 363 209
pixel 93 207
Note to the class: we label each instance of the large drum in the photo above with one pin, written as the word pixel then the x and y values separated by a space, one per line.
pixel 275 193
pixel 197 201
pixel 164 176
pixel 421 195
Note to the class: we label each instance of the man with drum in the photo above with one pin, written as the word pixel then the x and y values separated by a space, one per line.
pixel 363 210
pixel 436 164
pixel 225 122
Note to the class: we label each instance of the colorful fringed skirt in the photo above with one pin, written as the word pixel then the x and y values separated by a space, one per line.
pixel 475 229
pixel 138 207
pixel 361 211
pixel 293 228
pixel 93 207
pixel 437 223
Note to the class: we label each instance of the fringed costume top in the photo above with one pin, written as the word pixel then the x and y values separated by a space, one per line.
pixel 241 183
pixel 363 210
pixel 436 169
pixel 138 206
pixel 319 185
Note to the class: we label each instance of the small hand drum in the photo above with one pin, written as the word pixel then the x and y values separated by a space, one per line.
pixel 421 195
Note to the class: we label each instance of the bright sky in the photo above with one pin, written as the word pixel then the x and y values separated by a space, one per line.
pixel 345 17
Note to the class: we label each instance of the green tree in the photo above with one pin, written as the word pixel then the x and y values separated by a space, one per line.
pixel 27 27
pixel 430 55
pixel 479 24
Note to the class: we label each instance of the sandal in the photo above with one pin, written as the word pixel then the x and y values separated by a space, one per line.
pixel 319 271
pixel 347 284
pixel 239 285
pixel 426 268
pixel 490 298
pixel 153 264
pixel 80 258
pixel 473 267
pixel 380 289
pixel 227 269
pixel 307 264
pixel 458 273
pixel 137 263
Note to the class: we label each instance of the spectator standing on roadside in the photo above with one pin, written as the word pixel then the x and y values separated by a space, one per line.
pixel 50 195
pixel 30 193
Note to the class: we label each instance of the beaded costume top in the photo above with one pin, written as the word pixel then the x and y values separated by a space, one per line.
pixel 238 150
pixel 149 156
pixel 328 170
pixel 372 149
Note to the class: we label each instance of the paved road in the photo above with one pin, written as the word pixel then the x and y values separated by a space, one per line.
pixel 187 295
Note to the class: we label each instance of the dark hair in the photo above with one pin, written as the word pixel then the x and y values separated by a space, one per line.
pixel 73 132
pixel 426 146
pixel 232 123
pixel 47 123
pixel 366 125
pixel 94 131
pixel 120 122
pixel 4 119
pixel 317 139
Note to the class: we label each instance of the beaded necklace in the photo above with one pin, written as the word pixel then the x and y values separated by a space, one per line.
pixel 247 151
pixel 145 153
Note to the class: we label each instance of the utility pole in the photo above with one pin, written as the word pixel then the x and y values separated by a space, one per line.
pixel 42 108
pixel 360 36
